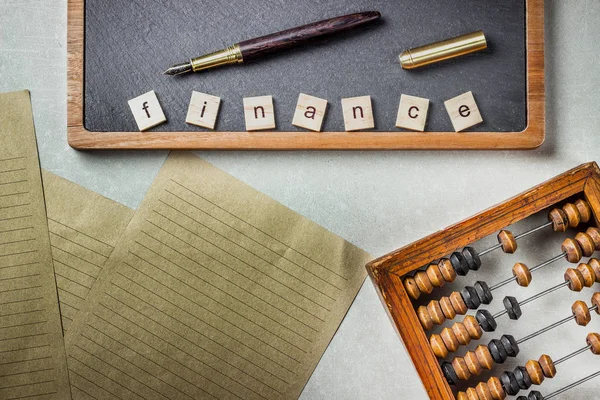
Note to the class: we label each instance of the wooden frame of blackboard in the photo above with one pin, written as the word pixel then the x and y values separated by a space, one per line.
pixel 533 135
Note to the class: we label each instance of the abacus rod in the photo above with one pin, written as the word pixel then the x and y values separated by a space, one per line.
pixel 550 327
pixel 575 354
pixel 495 247
pixel 572 385
pixel 520 236
pixel 545 292
pixel 513 278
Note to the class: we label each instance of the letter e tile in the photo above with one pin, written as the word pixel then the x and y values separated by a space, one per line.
pixel 463 112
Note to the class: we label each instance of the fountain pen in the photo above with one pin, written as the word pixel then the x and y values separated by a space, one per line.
pixel 253 49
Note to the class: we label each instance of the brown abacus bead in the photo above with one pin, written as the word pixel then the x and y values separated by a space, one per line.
pixel 447 270
pixel 547 365
pixel 586 243
pixel 435 276
pixel 559 220
pixel 584 210
pixel 483 392
pixel 424 317
pixel 575 279
pixel 593 340
pixel 449 339
pixel 596 301
pixel 472 363
pixel 461 396
pixel 572 215
pixel 589 276
pixel 460 367
pixel 595 235
pixel 423 282
pixel 522 273
pixel 473 327
pixel 472 394
pixel 435 312
pixel 438 346
pixel 461 334
pixel 496 389
pixel 573 250
pixel 582 313
pixel 535 372
pixel 508 242
pixel 411 288
pixel 595 264
pixel 458 303
pixel 447 309
pixel 484 357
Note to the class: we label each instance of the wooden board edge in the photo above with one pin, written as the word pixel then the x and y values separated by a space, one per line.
pixel 532 137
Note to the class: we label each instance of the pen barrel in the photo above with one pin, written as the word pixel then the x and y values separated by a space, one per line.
pixel 256 48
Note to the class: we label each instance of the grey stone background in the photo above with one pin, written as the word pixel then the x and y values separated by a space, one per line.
pixel 377 200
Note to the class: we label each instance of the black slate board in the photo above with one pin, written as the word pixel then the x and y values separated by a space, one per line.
pixel 128 44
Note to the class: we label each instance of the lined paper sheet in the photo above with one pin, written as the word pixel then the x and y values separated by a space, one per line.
pixel 32 354
pixel 84 229
pixel 216 292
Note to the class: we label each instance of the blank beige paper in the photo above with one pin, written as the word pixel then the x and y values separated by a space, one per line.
pixel 215 292
pixel 84 229
pixel 32 353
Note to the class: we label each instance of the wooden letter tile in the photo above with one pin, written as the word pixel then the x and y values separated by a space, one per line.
pixel 358 113
pixel 463 112
pixel 310 112
pixel 412 113
pixel 147 111
pixel 259 113
pixel 203 110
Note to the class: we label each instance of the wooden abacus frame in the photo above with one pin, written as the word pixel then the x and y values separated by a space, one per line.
pixel 81 138
pixel 387 271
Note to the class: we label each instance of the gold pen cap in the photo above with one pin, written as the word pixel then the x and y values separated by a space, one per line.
pixel 444 50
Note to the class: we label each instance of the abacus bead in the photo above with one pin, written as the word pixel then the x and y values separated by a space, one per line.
pixel 595 264
pixel 424 317
pixel 438 346
pixel 547 365
pixel 459 263
pixel 447 309
pixel 509 383
pixel 589 276
pixel 596 301
pixel 461 334
pixel 435 312
pixel 423 282
pixel 582 313
pixel 472 363
pixel 573 250
pixel 449 339
pixel 586 243
pixel 472 258
pixel 512 307
pixel 472 327
pixel 575 279
pixel 486 320
pixel 535 395
pixel 484 292
pixel 484 357
pixel 510 345
pixel 472 394
pixel 535 372
pixel 463 396
pixel 496 388
pixel 411 288
pixel 595 235
pixel 593 340
pixel 483 391
pixel 523 379
pixel 447 270
pixel 458 303
pixel 469 295
pixel 508 242
pixel 460 366
pixel 559 220
pixel 522 273
pixel 572 215
pixel 584 210
pixel 497 351
pixel 449 373
pixel 435 276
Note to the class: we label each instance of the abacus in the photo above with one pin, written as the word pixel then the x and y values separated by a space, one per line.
pixel 410 281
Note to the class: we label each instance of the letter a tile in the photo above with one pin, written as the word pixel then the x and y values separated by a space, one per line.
pixel 463 112
pixel 310 112
pixel 147 111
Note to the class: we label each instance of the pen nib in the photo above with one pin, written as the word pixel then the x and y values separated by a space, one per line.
pixel 179 69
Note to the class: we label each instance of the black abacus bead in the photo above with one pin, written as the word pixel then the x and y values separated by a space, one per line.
pixel 509 383
pixel 449 373
pixel 497 351
pixel 469 295
pixel 523 378
pixel 484 292
pixel 512 307
pixel 510 345
pixel 535 395
pixel 459 264
pixel 472 258
pixel 486 320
